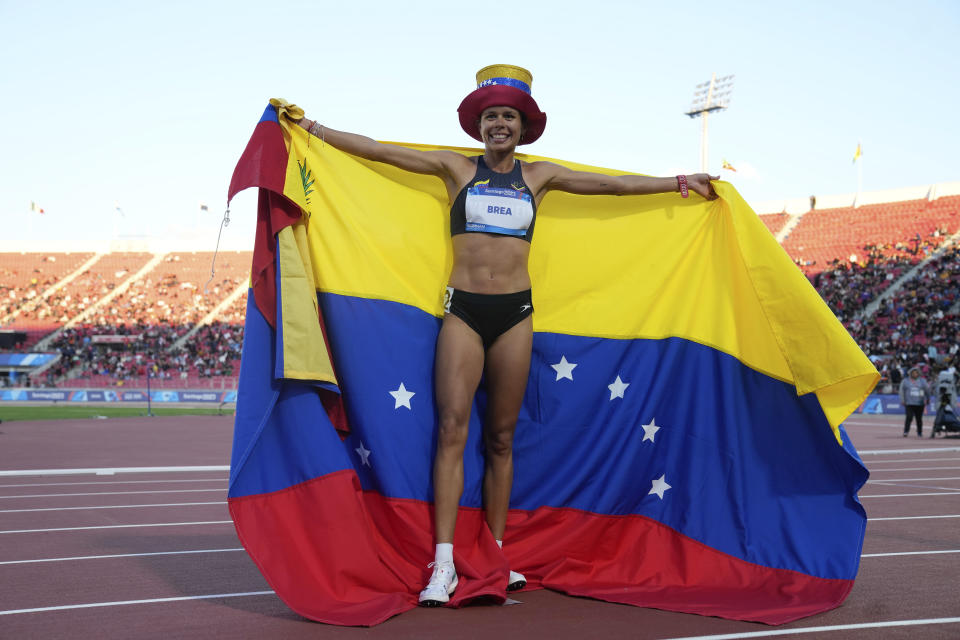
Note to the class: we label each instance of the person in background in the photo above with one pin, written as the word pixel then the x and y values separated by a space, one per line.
pixel 914 393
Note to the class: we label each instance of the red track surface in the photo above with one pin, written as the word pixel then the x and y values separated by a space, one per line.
pixel 66 518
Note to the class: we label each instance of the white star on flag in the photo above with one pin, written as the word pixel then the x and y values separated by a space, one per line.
pixel 617 387
pixel 564 369
pixel 649 430
pixel 364 454
pixel 659 486
pixel 402 397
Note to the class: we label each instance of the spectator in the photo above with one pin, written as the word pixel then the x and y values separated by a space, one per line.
pixel 914 394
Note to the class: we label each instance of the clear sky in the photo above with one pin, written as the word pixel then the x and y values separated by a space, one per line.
pixel 149 105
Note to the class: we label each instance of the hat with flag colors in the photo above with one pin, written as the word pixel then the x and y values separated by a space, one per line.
pixel 503 85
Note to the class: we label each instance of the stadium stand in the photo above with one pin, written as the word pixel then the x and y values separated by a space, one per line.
pixel 887 264
pixel 173 291
pixel 72 297
pixel 916 322
pixel 25 279
pixel 121 318
pixel 901 228
pixel 775 221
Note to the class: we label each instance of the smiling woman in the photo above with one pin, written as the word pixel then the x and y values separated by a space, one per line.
pixel 487 329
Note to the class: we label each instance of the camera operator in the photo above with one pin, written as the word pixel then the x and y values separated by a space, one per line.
pixel 946 383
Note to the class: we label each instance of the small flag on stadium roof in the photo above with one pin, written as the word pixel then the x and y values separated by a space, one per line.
pixel 35 207
pixel 857 153
pixel 728 166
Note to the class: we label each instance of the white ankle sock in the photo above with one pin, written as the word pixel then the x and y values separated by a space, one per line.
pixel 444 552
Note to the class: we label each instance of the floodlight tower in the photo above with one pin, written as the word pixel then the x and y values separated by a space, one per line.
pixel 707 97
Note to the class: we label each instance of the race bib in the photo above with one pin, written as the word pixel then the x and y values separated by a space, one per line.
pixel 498 210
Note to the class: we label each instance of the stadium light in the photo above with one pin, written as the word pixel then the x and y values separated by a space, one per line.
pixel 709 97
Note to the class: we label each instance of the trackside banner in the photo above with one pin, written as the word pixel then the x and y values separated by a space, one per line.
pixel 115 395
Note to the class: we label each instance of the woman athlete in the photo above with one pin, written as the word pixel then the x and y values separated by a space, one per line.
pixel 487 327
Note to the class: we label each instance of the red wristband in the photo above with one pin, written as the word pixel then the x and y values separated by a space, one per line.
pixel 682 181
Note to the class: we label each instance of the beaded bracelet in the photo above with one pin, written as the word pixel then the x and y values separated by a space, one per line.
pixel 682 182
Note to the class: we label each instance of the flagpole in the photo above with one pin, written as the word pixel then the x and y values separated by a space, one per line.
pixel 858 160
pixel 704 142
pixel 859 174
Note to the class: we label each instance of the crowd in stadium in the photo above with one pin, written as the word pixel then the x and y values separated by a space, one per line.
pixel 849 286
pixel 20 292
pixel 131 352
pixel 133 335
pixel 918 325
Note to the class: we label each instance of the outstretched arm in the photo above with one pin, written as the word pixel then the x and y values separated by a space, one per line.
pixel 554 176
pixel 437 163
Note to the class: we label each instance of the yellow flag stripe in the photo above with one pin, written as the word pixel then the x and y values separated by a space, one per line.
pixel 603 266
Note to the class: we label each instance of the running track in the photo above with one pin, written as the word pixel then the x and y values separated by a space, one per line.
pixel 95 544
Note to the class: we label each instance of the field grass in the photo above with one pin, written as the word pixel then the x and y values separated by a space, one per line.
pixel 10 414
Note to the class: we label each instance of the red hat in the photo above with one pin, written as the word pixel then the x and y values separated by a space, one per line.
pixel 502 85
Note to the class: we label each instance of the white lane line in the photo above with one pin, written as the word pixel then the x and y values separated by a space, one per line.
pixel 912 518
pixel 907 553
pixel 119 526
pixel 112 506
pixel 919 469
pixel 834 627
pixel 107 471
pixel 885 480
pixel 870 452
pixel 128 602
pixel 897 461
pixel 901 485
pixel 110 493
pixel 120 555
pixel 107 482
pixel 906 495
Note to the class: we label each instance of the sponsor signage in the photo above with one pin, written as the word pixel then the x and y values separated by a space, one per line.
pixel 200 396
pixel 47 395
pixel 114 339
pixel 889 404
pixel 115 395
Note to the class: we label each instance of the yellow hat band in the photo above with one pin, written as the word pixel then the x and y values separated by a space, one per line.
pixel 505 74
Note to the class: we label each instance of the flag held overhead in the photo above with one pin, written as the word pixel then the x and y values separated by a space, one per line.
pixel 680 442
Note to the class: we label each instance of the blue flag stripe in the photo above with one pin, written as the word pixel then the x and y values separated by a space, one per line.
pixel 666 429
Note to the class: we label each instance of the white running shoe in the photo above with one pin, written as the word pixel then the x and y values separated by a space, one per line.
pixel 441 586
pixel 516 581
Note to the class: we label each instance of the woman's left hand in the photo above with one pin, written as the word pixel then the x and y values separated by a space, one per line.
pixel 284 108
pixel 699 183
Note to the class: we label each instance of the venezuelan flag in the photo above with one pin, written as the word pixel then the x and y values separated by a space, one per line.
pixel 679 444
